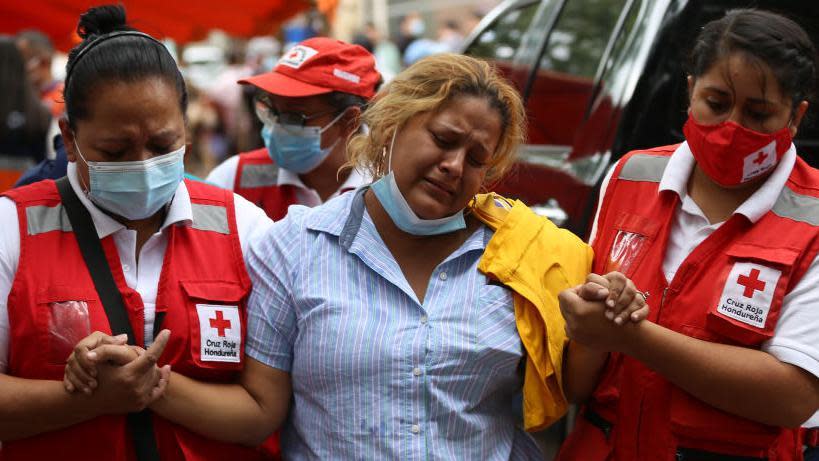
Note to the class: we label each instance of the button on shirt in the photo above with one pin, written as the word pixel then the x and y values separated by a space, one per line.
pixel 375 373
pixel 796 337
pixel 142 276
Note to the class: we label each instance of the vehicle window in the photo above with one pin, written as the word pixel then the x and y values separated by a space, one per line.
pixel 564 81
pixel 500 40
pixel 580 36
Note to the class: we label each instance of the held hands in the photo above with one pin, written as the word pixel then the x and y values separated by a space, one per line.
pixel 601 313
pixel 122 378
pixel 623 300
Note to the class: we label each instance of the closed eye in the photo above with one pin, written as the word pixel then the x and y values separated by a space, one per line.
pixel 717 107
pixel 441 141
pixel 474 161
pixel 164 150
pixel 112 155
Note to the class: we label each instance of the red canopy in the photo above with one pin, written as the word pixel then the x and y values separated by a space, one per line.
pixel 181 20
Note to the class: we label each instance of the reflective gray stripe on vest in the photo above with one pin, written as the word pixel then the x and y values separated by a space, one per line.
pixel 644 167
pixel 259 176
pixel 41 219
pixel 210 218
pixel 798 207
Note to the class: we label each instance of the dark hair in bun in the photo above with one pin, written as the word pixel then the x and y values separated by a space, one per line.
pixel 767 37
pixel 102 20
pixel 112 51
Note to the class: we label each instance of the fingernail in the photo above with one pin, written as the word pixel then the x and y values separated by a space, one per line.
pixel 92 355
pixel 610 302
pixel 602 292
pixel 618 320
pixel 122 337
pixel 634 316
pixel 610 315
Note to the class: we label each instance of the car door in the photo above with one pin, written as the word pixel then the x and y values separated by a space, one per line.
pixel 558 93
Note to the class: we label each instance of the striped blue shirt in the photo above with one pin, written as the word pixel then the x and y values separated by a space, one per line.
pixel 376 374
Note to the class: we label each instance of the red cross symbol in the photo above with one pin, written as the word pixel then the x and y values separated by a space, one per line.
pixel 751 283
pixel 293 54
pixel 760 157
pixel 220 324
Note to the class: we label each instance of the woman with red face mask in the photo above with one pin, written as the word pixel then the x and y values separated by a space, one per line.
pixel 721 234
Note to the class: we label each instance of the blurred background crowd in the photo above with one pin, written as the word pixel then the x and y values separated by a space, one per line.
pixel 220 114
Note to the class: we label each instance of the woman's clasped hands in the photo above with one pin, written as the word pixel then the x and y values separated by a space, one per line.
pixel 121 378
pixel 601 312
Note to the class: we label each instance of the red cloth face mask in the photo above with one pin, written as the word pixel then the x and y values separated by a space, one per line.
pixel 731 154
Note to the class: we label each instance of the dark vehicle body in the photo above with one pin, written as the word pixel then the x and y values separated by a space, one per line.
pixel 601 78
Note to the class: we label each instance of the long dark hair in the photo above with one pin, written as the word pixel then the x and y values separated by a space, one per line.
pixel 109 54
pixel 767 37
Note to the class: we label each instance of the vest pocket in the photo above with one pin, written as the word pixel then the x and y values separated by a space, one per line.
pixel 633 237
pixel 700 426
pixel 751 297
pixel 65 315
pixel 217 319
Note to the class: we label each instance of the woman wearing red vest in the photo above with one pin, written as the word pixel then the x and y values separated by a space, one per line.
pixel 174 250
pixel 722 233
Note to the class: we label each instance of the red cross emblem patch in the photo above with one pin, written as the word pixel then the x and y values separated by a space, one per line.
pixel 297 56
pixel 748 293
pixel 759 162
pixel 220 333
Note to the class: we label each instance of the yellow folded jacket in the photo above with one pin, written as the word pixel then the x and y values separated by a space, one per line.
pixel 536 260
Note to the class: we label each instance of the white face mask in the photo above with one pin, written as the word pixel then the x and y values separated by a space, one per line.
pixel 138 189
pixel 387 192
pixel 296 148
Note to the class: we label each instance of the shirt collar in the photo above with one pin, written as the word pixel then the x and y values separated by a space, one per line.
pixel 180 210
pixel 681 165
pixel 353 181
pixel 332 218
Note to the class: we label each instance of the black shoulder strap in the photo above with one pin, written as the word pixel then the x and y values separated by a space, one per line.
pixel 140 424
pixel 94 257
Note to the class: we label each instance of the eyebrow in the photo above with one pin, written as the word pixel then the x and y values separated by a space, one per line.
pixel 167 133
pixel 761 101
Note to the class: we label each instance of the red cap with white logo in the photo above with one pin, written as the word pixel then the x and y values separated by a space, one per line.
pixel 321 65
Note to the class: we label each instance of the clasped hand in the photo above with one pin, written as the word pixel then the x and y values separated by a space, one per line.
pixel 121 378
pixel 601 312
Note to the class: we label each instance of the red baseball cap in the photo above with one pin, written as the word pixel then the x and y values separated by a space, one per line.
pixel 321 65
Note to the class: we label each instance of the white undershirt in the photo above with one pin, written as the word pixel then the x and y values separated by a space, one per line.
pixel 251 223
pixel 796 337
pixel 224 176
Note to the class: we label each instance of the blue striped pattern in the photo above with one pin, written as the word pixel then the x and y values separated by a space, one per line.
pixel 376 375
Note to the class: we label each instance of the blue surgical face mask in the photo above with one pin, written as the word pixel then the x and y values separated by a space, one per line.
pixel 297 148
pixel 138 189
pixel 387 192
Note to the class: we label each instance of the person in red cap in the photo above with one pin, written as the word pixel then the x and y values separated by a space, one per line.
pixel 310 104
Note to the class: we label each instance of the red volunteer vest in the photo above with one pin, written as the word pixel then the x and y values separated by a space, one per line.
pixel 256 180
pixel 201 294
pixel 728 290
